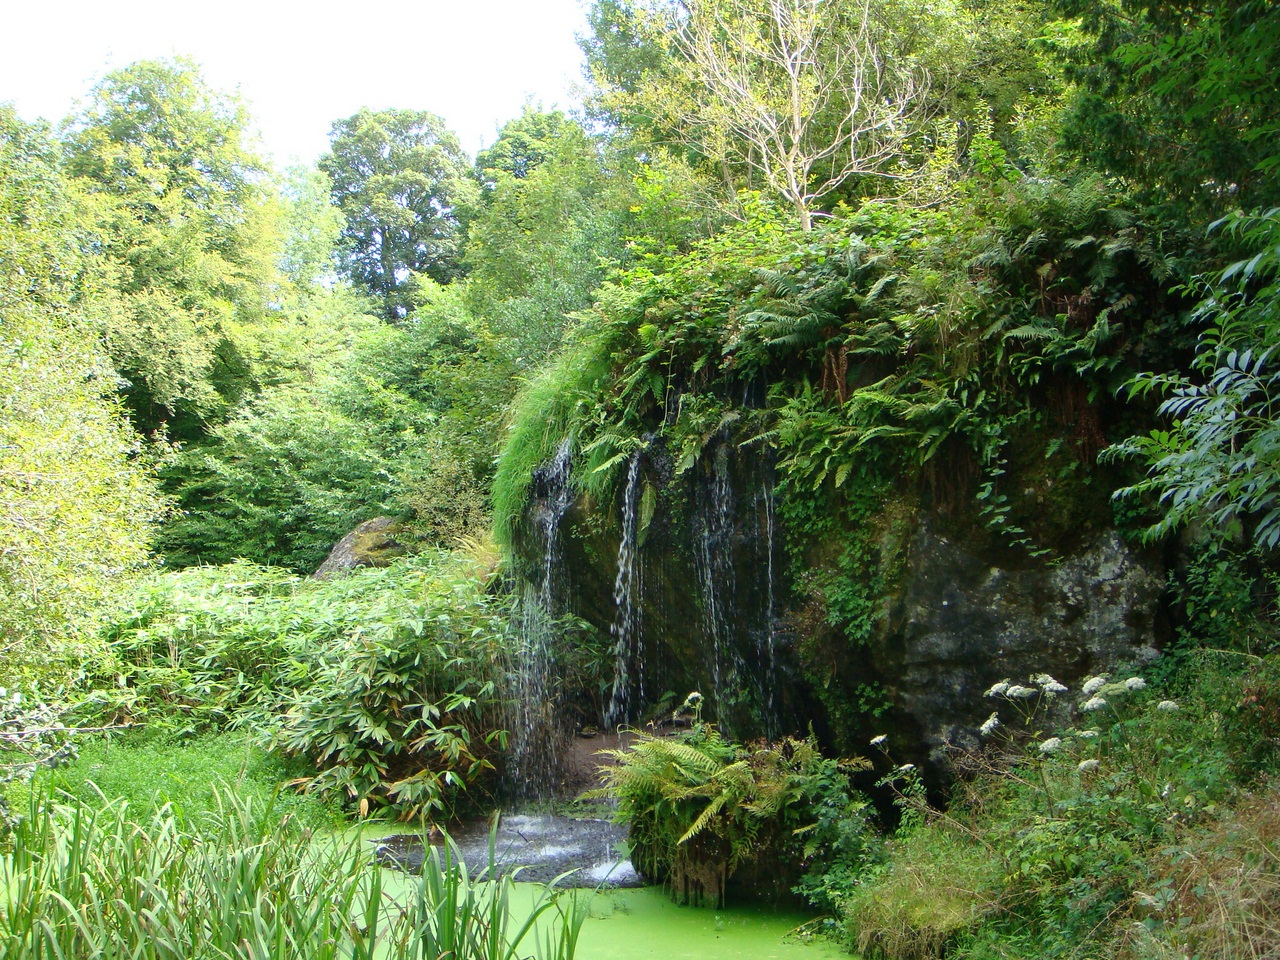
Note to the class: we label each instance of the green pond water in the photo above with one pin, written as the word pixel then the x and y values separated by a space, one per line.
pixel 644 924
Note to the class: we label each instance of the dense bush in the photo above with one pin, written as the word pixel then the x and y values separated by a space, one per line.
pixel 703 811
pixel 388 681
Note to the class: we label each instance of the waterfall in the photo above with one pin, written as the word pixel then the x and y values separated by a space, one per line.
pixel 714 567
pixel 627 589
pixel 535 723
pixel 767 649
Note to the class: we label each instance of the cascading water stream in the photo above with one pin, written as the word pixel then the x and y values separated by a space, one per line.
pixel 627 587
pixel 534 722
pixel 768 653
pixel 713 564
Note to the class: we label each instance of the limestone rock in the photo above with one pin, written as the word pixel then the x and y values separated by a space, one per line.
pixel 372 544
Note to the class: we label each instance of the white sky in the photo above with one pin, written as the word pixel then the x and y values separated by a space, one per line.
pixel 301 64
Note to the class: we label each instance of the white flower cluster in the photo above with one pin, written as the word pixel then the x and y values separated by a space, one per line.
pixel 1048 684
pixel 879 741
pixel 1052 745
pixel 990 725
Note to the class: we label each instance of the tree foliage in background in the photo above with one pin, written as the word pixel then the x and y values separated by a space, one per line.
pixel 187 230
pixel 400 178
pixel 804 93
pixel 544 240
pixel 1180 97
pixel 77 502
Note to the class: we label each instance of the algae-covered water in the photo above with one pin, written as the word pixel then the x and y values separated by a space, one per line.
pixel 640 923
pixel 644 924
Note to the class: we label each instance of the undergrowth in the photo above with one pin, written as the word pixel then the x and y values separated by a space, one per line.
pixel 1130 831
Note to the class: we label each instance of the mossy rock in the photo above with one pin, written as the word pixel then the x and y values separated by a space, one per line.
pixel 372 544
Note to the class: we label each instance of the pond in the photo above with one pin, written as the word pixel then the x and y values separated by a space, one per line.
pixel 625 922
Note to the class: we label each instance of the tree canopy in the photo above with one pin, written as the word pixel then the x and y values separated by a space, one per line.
pixel 187 228
pixel 400 179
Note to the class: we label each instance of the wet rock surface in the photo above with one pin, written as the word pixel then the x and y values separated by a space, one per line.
pixel 542 848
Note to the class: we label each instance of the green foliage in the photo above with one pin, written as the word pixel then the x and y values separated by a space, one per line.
pixel 545 237
pixel 399 177
pixel 279 484
pixel 84 882
pixel 1072 835
pixel 183 778
pixel 187 234
pixel 1219 462
pixel 387 681
pixel 1179 97
pixel 77 499
pixel 700 808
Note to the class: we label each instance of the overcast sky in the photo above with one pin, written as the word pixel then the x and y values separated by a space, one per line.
pixel 302 65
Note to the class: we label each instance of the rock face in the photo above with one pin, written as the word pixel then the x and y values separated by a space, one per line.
pixel 959 625
pixel 372 544
pixel 709 599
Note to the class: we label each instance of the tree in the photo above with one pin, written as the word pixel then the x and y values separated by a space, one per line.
pixel 186 225
pixel 1180 98
pixel 399 177
pixel 541 245
pixel 523 145
pixel 802 93
pixel 77 502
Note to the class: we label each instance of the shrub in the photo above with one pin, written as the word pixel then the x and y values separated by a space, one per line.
pixel 701 808
pixel 388 682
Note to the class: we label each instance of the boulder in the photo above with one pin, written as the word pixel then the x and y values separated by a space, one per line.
pixel 372 544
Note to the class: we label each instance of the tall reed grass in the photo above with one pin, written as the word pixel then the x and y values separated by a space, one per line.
pixel 82 882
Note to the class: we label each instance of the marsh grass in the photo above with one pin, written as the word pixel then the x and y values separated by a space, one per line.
pixel 84 881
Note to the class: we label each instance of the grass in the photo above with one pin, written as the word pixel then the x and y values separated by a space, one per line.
pixel 95 881
pixel 181 776
pixel 544 415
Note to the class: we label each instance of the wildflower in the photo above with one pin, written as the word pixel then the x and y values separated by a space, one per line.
pixel 1093 685
pixel 906 768
pixel 1019 692
pixel 1088 766
pixel 990 726
pixel 1053 686
pixel 1088 734
pixel 1135 683
pixel 1168 706
pixel 1051 745
pixel 879 741
pixel 1043 679
pixel 998 689
pixel 1092 704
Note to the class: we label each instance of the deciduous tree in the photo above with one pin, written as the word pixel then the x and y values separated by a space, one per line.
pixel 399 177
pixel 186 224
